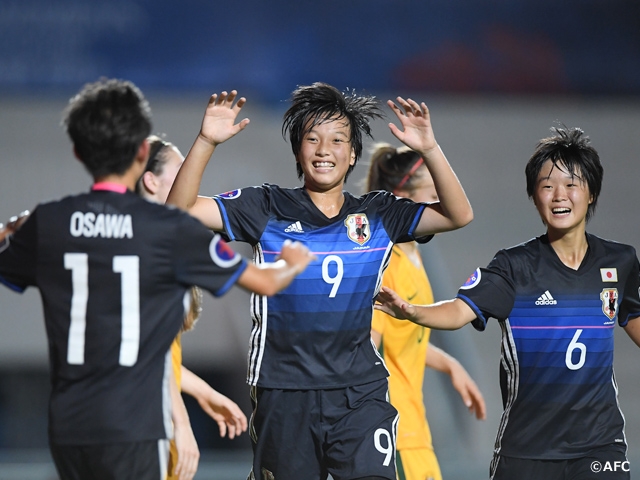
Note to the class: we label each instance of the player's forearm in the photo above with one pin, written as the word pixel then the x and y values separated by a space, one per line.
pixel 453 202
pixel 445 315
pixel 193 385
pixel 184 191
pixel 277 276
pixel 179 413
pixel 439 360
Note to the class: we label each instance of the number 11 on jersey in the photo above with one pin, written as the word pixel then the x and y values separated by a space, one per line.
pixel 128 266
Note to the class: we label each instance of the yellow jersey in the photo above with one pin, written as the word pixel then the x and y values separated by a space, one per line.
pixel 404 349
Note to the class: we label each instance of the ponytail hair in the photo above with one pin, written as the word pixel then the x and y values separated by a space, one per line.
pixel 392 168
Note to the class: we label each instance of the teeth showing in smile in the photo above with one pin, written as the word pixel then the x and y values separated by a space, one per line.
pixel 323 164
pixel 560 211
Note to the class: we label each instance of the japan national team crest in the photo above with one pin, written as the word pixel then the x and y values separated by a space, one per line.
pixel 358 229
pixel 609 297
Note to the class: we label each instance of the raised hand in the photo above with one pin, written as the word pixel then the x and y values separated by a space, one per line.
pixel 415 123
pixel 218 124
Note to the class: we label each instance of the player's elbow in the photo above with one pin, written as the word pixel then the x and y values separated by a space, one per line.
pixel 464 218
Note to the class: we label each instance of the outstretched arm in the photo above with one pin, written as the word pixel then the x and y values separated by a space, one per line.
pixel 270 278
pixel 227 414
pixel 218 126
pixel 454 210
pixel 460 378
pixel 445 315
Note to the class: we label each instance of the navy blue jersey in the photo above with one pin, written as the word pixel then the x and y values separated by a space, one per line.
pixel 558 387
pixel 317 332
pixel 113 272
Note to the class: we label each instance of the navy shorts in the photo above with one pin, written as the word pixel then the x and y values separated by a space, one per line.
pixel 607 463
pixel 307 434
pixel 118 461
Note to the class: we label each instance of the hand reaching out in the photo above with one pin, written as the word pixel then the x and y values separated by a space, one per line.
pixel 218 124
pixel 416 132
pixel 392 304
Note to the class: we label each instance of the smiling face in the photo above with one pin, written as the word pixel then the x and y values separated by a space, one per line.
pixel 325 155
pixel 562 199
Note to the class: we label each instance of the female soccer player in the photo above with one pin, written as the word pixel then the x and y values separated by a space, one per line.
pixel 557 298
pixel 319 385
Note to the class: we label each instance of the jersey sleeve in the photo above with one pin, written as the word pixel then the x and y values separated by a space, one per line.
pixel 245 213
pixel 630 307
pixel 489 291
pixel 400 217
pixel 19 256
pixel 204 259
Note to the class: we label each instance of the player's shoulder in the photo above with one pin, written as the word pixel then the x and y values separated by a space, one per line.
pixel 610 246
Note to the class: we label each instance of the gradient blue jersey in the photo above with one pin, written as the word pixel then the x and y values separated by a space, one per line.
pixel 316 333
pixel 558 387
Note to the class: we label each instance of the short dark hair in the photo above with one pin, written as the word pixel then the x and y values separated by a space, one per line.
pixel 569 149
pixel 107 122
pixel 314 104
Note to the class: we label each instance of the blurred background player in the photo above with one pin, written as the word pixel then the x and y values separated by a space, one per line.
pixel 319 385
pixel 164 162
pixel 405 346
pixel 557 298
pixel 113 271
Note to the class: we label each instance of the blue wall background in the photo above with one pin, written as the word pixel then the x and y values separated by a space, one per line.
pixel 265 49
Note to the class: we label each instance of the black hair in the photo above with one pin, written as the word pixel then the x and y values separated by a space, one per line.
pixel 157 159
pixel 569 149
pixel 392 168
pixel 314 104
pixel 107 122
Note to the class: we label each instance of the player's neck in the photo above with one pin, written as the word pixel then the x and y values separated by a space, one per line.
pixel 329 203
pixel 125 180
pixel 571 247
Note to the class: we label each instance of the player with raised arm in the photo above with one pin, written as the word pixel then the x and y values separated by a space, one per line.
pixel 319 387
pixel 113 271
pixel 557 298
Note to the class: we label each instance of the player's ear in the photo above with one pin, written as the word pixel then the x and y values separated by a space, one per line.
pixel 353 157
pixel 150 182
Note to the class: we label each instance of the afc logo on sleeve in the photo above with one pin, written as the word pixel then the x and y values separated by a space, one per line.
pixel 231 194
pixel 222 254
pixel 472 281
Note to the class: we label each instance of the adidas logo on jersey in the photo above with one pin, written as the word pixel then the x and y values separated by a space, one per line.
pixel 546 299
pixel 294 228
